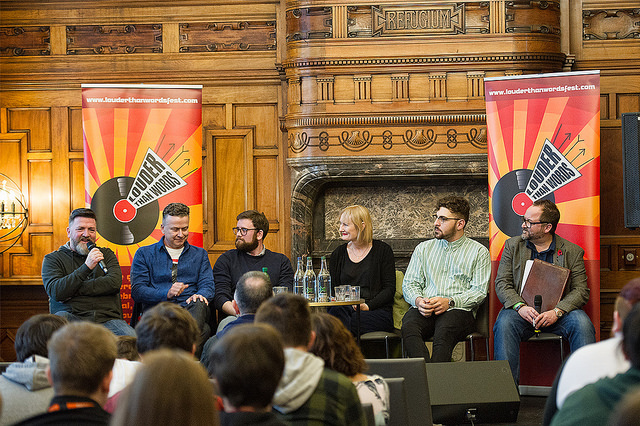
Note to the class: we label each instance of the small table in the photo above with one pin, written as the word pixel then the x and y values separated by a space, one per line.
pixel 343 303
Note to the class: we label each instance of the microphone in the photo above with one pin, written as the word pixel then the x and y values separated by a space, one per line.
pixel 537 305
pixel 91 246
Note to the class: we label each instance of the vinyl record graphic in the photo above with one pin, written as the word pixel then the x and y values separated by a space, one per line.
pixel 509 191
pixel 119 221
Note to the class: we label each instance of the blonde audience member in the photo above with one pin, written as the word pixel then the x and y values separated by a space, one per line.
pixel 337 347
pixel 170 388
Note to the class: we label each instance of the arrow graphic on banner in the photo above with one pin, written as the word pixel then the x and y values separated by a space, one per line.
pixel 154 179
pixel 552 171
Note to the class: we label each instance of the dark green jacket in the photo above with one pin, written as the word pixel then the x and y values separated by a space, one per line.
pixel 73 287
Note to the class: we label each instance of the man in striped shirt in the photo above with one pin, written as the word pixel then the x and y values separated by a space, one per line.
pixel 446 280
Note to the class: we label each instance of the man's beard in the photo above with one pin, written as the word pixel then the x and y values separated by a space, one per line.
pixel 247 247
pixel 78 247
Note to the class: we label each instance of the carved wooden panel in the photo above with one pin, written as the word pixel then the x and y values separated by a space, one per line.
pixel 228 36
pixel 627 102
pixel 25 41
pixel 309 23
pixel 37 121
pixel 524 16
pixel 388 137
pixel 114 39
pixel 613 24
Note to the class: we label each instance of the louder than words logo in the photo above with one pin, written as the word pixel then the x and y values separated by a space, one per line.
pixel 127 207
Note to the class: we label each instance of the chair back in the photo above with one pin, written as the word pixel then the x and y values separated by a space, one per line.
pixel 482 318
pixel 369 415
pixel 398 408
pixel 400 306
pixel 414 372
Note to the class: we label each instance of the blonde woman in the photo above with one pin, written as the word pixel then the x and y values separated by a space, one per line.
pixel 367 263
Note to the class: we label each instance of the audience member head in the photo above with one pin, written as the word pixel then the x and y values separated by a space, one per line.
pixel 290 315
pixel 336 345
pixel 631 336
pixel 167 325
pixel 247 365
pixel 628 297
pixel 34 334
pixel 253 288
pixel 550 213
pixel 170 388
pixel 627 411
pixel 127 348
pixel 360 217
pixel 81 357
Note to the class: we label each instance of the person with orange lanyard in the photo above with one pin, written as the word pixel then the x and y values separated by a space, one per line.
pixel 81 356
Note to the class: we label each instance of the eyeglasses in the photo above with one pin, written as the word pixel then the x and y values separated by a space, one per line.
pixel 527 223
pixel 242 231
pixel 443 219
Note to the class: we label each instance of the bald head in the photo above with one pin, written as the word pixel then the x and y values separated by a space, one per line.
pixel 252 289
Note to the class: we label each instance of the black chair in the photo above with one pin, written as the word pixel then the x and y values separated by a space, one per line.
pixel 398 409
pixel 136 313
pixel 369 415
pixel 482 330
pixel 415 379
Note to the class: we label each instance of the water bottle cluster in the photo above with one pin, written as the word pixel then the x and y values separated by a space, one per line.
pixel 308 285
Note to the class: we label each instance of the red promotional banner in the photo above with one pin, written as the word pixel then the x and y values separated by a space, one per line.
pixel 142 151
pixel 544 143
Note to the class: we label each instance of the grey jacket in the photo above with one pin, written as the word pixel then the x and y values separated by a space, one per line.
pixel 25 390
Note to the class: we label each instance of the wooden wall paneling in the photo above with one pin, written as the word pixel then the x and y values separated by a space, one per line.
pixel 25 41
pixel 230 160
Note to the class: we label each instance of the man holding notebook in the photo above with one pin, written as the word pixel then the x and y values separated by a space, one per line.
pixel 518 321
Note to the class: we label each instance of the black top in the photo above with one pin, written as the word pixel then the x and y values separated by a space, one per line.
pixel 70 410
pixel 375 274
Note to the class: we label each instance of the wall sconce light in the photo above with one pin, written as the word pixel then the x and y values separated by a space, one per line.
pixel 13 213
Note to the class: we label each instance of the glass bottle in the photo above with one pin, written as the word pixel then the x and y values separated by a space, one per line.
pixel 298 279
pixel 323 288
pixel 310 282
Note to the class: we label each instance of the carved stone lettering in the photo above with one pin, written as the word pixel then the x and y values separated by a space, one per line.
pixel 447 18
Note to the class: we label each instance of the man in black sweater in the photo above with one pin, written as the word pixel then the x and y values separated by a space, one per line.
pixel 250 254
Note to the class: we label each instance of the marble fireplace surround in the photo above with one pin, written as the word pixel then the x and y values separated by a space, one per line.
pixel 313 178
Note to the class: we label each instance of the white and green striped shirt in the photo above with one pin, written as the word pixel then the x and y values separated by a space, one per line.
pixel 459 270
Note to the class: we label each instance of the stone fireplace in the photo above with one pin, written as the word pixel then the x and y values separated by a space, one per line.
pixel 399 191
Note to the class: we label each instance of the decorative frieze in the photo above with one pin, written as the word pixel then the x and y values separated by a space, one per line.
pixel 611 24
pixel 114 39
pixel 530 17
pixel 336 141
pixel 228 36
pixel 309 23
pixel 25 41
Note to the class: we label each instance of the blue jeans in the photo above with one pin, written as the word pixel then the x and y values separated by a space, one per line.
pixel 116 326
pixel 510 329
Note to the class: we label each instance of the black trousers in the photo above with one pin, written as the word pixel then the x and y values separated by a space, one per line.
pixel 200 312
pixel 447 329
pixel 376 320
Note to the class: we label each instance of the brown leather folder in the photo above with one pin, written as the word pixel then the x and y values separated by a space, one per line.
pixel 547 280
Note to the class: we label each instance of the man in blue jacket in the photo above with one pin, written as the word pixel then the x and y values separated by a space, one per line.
pixel 173 270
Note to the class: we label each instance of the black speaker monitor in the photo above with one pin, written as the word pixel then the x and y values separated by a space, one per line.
pixel 631 168
pixel 472 392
